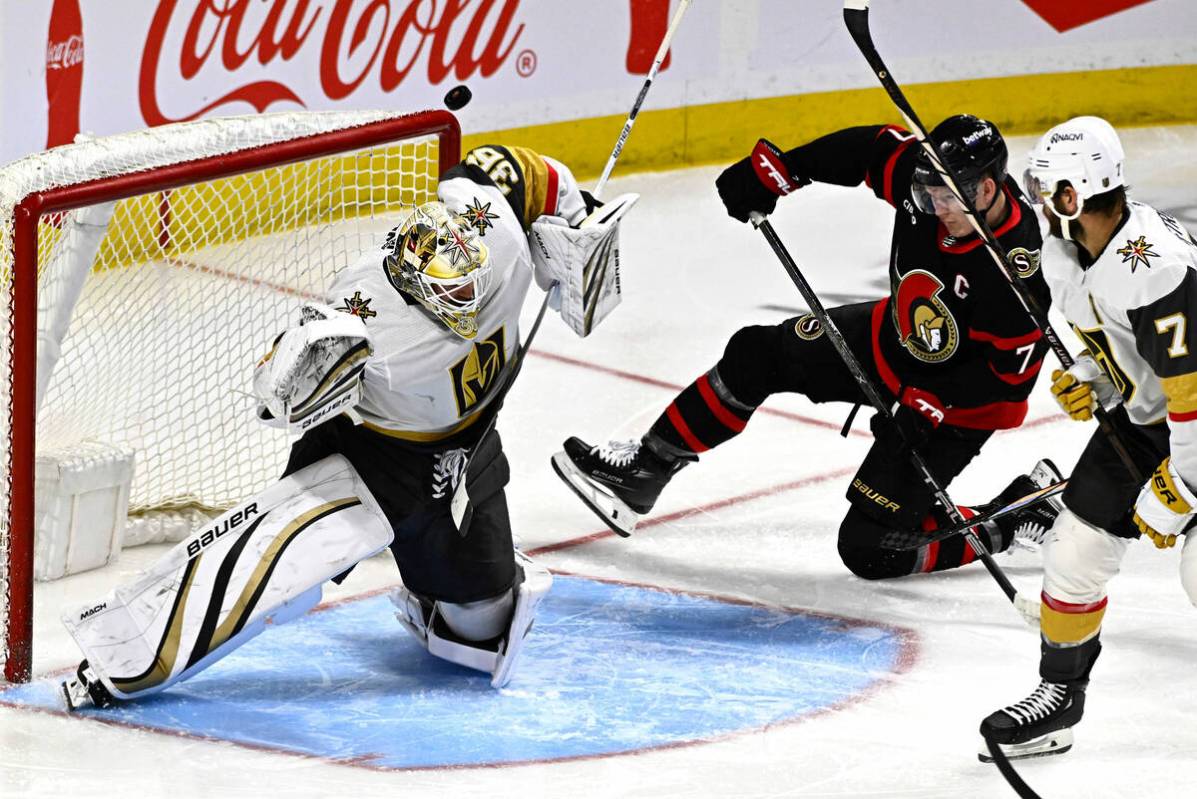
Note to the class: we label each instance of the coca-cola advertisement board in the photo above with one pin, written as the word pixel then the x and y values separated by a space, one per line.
pixel 105 66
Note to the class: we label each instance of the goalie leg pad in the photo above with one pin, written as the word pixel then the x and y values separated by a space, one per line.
pixel 260 563
pixel 442 628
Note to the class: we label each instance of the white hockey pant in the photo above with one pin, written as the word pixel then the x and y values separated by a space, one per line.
pixel 263 562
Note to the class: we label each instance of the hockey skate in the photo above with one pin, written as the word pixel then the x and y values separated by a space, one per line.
pixel 621 481
pixel 1038 726
pixel 1032 523
pixel 85 689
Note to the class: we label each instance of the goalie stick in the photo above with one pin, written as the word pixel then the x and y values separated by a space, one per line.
pixel 1022 604
pixel 856 18
pixel 913 539
pixel 459 505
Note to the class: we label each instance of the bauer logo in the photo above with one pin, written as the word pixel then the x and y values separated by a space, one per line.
pixel 217 531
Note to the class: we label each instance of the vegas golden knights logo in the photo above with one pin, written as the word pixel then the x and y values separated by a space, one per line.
pixel 925 325
pixel 478 372
pixel 1096 342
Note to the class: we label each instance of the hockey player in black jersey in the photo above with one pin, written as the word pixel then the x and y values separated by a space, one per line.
pixel 951 344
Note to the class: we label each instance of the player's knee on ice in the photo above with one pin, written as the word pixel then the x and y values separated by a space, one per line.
pixel 859 549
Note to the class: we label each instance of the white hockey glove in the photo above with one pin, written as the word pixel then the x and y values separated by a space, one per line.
pixel 1083 384
pixel 314 370
pixel 1165 506
pixel 584 261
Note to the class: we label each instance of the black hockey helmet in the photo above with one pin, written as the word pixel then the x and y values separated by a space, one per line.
pixel 972 147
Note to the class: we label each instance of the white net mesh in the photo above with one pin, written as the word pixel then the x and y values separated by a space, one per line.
pixel 189 287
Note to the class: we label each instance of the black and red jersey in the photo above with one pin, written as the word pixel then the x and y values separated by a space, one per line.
pixel 952 324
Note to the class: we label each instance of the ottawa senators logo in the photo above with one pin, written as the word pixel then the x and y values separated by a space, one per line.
pixel 808 328
pixel 1024 261
pixel 925 325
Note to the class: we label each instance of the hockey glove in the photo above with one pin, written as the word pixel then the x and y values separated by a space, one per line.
pixel 1083 384
pixel 925 404
pixel 754 183
pixel 1165 506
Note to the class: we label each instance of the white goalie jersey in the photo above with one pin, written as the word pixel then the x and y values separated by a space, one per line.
pixel 1135 308
pixel 424 382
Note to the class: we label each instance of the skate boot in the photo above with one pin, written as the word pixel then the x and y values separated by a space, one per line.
pixel 1039 725
pixel 1029 526
pixel 621 481
pixel 85 688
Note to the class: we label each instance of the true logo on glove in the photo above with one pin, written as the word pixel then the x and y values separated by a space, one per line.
pixel 766 160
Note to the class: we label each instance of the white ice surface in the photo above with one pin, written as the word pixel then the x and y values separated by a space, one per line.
pixel 692 277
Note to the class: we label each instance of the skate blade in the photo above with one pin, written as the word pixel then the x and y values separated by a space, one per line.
pixel 1054 743
pixel 608 507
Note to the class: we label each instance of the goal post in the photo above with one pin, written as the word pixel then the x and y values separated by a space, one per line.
pixel 221 227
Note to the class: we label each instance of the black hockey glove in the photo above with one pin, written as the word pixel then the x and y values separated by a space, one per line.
pixel 754 183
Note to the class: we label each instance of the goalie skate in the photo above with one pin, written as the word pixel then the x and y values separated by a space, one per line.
pixel 600 499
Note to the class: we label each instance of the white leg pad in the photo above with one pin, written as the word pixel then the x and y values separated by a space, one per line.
pixel 1188 566
pixel 537 580
pixel 427 622
pixel 261 563
pixel 1079 560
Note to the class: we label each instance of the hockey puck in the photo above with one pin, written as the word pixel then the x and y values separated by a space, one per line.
pixel 457 97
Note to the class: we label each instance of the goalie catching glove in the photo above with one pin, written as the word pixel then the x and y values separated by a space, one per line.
pixel 583 261
pixel 1165 506
pixel 314 371
pixel 1081 385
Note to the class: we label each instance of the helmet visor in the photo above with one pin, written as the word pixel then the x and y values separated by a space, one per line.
pixel 930 198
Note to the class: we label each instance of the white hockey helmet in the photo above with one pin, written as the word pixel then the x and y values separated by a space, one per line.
pixel 436 259
pixel 1085 151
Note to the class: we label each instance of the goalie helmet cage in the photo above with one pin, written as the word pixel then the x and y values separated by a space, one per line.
pixel 222 227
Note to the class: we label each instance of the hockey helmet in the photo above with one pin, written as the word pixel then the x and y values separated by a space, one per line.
pixel 437 260
pixel 972 148
pixel 1085 151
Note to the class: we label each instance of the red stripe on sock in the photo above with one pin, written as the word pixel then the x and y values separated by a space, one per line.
pixel 729 419
pixel 1060 606
pixel 932 557
pixel 683 429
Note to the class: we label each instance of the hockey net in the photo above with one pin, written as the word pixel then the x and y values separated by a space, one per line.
pixel 220 229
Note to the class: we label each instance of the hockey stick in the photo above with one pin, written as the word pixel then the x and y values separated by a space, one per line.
pixel 913 539
pixel 662 51
pixel 870 391
pixel 856 18
pixel 1003 764
pixel 460 508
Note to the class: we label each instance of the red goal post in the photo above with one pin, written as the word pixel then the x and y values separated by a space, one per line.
pixel 232 219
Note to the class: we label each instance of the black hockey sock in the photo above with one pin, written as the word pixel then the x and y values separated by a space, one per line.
pixel 703 416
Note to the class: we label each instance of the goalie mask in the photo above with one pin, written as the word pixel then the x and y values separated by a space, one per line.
pixel 440 263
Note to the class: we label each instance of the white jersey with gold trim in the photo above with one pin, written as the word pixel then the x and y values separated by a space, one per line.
pixel 424 382
pixel 1135 308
